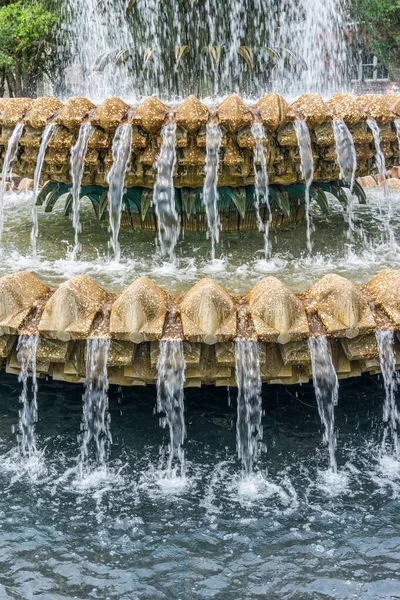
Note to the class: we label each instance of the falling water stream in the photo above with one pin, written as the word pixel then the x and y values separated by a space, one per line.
pixel 77 161
pixel 168 223
pixel 11 153
pixel 28 414
pixel 391 415
pixel 307 170
pixel 171 368
pixel 347 160
pixel 121 151
pixel 210 189
pixel 46 137
pixel 249 431
pixel 95 427
pixel 261 182
pixel 326 388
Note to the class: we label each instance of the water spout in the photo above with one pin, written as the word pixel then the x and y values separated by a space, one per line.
pixel 77 161
pixel 96 436
pixel 307 169
pixel 249 430
pixel 261 182
pixel 391 416
pixel 28 414
pixel 326 388
pixel 121 151
pixel 46 137
pixel 11 153
pixel 164 193
pixel 347 161
pixel 210 190
pixel 171 368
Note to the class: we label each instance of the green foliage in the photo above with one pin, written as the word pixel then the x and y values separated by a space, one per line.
pixel 379 28
pixel 27 43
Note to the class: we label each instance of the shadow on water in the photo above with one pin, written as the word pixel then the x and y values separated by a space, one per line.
pixel 286 531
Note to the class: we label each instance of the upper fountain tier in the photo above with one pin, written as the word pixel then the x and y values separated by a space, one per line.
pixel 235 118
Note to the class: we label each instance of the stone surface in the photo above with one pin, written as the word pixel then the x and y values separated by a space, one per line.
pixel 274 111
pixel 42 111
pixel 18 294
pixel 312 109
pixel 377 106
pixel 233 114
pixel 344 107
pixel 110 114
pixel 191 114
pixel 14 110
pixel 150 114
pixel 74 112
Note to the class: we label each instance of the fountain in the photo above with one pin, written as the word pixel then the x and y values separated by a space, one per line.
pixel 46 137
pixel 307 169
pixel 391 417
pixel 210 190
pixel 78 153
pixel 28 414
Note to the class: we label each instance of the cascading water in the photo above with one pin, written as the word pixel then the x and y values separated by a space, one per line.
pixel 249 430
pixel 96 436
pixel 381 166
pixel 391 415
pixel 171 368
pixel 77 161
pixel 28 414
pixel 164 193
pixel 261 182
pixel 11 153
pixel 307 169
pixel 121 151
pixel 46 137
pixel 379 156
pixel 210 189
pixel 204 46
pixel 397 125
pixel 347 160
pixel 326 388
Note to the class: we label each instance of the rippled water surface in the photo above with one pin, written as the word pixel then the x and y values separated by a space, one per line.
pixel 289 531
pixel 240 259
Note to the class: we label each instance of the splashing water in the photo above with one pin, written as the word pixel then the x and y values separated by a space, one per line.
pixel 379 156
pixel 210 190
pixel 164 193
pixel 326 388
pixel 307 169
pixel 397 125
pixel 77 161
pixel 347 161
pixel 11 153
pixel 28 415
pixel 204 46
pixel 171 368
pixel 46 137
pixel 391 416
pixel 261 182
pixel 249 430
pixel 96 435
pixel 121 151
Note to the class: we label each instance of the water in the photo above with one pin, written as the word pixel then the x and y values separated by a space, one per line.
pixel 121 151
pixel 210 190
pixel 307 170
pixel 277 536
pixel 28 414
pixel 347 160
pixel 168 222
pixel 249 431
pixel 261 182
pixel 242 263
pixel 208 48
pixel 397 125
pixel 77 161
pixel 391 416
pixel 171 368
pixel 46 137
pixel 326 386
pixel 95 427
pixel 12 148
pixel 379 156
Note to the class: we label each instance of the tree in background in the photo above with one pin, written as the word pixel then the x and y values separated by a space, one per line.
pixel 378 24
pixel 28 45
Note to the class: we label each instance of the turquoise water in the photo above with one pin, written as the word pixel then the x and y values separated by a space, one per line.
pixel 290 531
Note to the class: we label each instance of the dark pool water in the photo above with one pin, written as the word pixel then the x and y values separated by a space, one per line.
pixel 290 531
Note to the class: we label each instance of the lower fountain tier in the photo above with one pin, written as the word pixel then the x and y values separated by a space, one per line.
pixel 206 318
